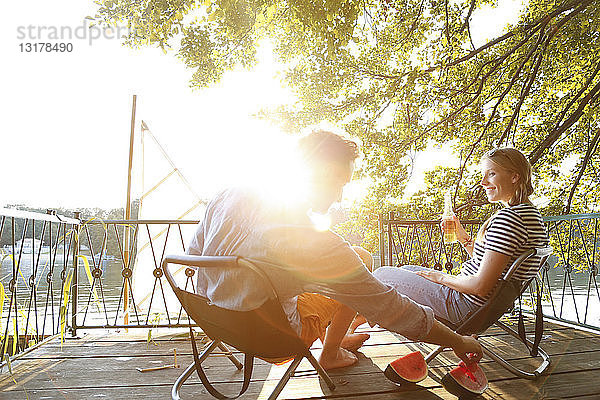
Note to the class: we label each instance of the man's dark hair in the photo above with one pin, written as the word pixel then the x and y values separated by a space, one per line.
pixel 325 147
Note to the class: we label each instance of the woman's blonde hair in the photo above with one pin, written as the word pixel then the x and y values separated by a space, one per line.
pixel 512 160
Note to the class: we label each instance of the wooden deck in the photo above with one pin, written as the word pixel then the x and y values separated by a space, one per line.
pixel 103 366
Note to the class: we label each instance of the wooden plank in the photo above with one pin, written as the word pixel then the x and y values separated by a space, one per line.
pixel 112 375
pixel 555 387
pixel 91 346
pixel 36 375
pixel 378 353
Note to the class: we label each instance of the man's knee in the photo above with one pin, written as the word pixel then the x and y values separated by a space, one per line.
pixel 365 256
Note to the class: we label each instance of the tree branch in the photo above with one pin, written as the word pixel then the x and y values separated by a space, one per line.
pixel 588 155
pixel 525 91
pixel 466 23
pixel 559 128
pixel 512 81
pixel 533 25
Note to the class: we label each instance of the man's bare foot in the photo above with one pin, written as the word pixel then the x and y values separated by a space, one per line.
pixel 342 358
pixel 353 341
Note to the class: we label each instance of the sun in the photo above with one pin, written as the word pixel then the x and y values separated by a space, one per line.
pixel 268 162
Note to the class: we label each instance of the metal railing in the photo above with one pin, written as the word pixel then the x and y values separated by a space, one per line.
pixel 59 274
pixel 572 274
pixel 124 287
pixel 420 242
pixel 36 276
pixel 569 278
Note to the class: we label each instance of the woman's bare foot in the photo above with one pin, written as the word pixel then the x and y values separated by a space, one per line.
pixel 353 341
pixel 340 359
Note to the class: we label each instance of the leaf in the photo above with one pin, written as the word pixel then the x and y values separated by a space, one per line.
pixel 271 11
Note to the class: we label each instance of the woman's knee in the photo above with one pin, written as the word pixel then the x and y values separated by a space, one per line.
pixel 365 256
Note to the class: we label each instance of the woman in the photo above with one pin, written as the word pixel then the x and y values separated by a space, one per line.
pixel 502 238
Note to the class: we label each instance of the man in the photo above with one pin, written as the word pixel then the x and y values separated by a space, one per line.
pixel 318 276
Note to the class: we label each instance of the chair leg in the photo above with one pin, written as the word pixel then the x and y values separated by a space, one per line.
pixel 434 354
pixel 322 373
pixel 190 370
pixel 541 369
pixel 179 382
pixel 231 357
pixel 286 377
pixel 292 368
pixel 516 371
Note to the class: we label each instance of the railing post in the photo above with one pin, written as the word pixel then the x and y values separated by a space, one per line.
pixel 381 241
pixel 390 237
pixel 74 282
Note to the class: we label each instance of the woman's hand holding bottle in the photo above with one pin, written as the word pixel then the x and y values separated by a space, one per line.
pixel 452 229
pixel 461 234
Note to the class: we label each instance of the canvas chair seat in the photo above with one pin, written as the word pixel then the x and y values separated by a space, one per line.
pixel 500 302
pixel 263 332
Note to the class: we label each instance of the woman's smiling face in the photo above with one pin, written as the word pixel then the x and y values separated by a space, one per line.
pixel 499 183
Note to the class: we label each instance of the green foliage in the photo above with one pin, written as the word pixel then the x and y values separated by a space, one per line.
pixel 402 75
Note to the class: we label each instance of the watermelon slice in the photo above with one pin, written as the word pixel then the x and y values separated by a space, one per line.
pixel 410 368
pixel 465 382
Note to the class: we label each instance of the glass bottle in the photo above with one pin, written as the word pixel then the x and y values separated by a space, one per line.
pixel 447 221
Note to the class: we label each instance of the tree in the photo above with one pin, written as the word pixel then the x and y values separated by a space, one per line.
pixel 405 74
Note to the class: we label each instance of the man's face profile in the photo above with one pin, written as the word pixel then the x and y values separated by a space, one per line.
pixel 328 184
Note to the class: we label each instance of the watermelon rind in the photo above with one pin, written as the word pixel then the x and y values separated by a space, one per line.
pixel 450 383
pixel 451 386
pixel 397 372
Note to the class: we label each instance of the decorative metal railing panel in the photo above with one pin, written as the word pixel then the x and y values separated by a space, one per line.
pixel 572 274
pixel 419 242
pixel 123 284
pixel 36 275
pixel 570 286
pixel 59 275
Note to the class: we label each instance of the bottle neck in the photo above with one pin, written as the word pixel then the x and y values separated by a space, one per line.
pixel 448 205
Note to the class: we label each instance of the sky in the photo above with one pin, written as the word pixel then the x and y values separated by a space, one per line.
pixel 64 131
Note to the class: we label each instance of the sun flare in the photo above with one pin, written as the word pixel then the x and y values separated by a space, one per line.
pixel 272 166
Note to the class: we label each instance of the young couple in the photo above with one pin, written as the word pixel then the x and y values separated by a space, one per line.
pixel 323 282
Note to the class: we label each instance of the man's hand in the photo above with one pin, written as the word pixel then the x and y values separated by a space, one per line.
pixel 468 349
pixel 465 347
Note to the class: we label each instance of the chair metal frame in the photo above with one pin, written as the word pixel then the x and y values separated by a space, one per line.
pixel 298 352
pixel 496 306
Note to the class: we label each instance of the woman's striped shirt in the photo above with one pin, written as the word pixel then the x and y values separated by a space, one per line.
pixel 512 231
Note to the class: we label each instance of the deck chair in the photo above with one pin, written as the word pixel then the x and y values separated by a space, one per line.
pixel 502 301
pixel 264 332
